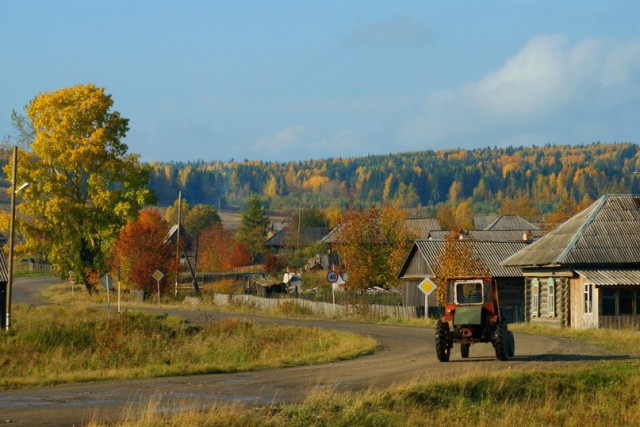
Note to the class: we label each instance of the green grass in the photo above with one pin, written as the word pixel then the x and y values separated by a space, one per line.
pixel 607 393
pixel 50 345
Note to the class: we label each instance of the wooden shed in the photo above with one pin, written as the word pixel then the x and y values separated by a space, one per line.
pixel 424 254
pixel 586 272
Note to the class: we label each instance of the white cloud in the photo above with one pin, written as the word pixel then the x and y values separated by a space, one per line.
pixel 550 91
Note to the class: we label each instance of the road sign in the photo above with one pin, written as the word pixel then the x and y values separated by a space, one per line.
pixel 332 277
pixel 158 275
pixel 107 281
pixel 427 286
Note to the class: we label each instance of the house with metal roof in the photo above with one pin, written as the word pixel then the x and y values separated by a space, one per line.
pixel 422 262
pixel 292 238
pixel 586 272
pixel 502 223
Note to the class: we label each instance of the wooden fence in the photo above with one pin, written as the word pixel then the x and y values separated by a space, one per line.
pixel 315 307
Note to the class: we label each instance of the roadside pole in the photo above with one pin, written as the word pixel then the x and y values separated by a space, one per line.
pixel 158 275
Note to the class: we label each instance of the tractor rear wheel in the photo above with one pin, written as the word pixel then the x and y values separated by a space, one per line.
pixel 464 350
pixel 501 342
pixel 443 349
pixel 512 345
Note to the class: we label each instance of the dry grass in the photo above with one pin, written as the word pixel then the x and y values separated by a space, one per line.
pixel 607 393
pixel 72 344
pixel 625 341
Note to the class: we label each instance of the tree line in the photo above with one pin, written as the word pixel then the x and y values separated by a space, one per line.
pixel 486 178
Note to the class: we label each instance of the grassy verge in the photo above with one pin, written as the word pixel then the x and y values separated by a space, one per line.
pixel 605 394
pixel 625 341
pixel 49 345
pixel 288 308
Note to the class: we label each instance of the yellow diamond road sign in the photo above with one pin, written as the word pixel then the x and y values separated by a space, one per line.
pixel 427 286
pixel 157 275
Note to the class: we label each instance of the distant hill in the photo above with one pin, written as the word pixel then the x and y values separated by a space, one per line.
pixel 418 181
pixel 484 177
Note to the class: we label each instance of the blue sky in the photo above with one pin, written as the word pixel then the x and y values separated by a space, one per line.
pixel 303 79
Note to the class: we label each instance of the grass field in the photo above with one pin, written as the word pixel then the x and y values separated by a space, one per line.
pixel 50 345
pixel 607 393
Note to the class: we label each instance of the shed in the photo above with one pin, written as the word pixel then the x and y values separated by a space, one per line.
pixel 424 254
pixel 586 272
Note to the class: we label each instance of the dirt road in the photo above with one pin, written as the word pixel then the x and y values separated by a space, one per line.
pixel 405 354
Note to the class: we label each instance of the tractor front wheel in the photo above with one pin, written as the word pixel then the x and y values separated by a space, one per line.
pixel 512 345
pixel 443 348
pixel 464 350
pixel 501 342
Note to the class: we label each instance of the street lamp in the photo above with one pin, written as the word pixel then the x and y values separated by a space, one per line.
pixel 14 191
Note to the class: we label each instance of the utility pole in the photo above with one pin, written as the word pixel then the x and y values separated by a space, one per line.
pixel 178 241
pixel 11 239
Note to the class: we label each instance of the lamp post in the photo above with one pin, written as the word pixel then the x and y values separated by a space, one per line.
pixel 11 235
pixel 14 191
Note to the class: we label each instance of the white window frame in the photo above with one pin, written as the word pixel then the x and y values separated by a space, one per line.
pixel 551 297
pixel 535 297
pixel 588 298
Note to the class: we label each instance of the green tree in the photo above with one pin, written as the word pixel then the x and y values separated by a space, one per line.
pixel 84 187
pixel 253 228
pixel 199 218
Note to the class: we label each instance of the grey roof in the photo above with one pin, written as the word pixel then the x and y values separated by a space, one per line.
pixel 612 277
pixel 510 223
pixel 308 235
pixel 606 233
pixel 490 253
pixel 4 272
pixel 491 235
pixel 480 222
pixel 420 227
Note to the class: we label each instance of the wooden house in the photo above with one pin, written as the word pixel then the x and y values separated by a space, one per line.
pixel 290 238
pixel 424 254
pixel 586 272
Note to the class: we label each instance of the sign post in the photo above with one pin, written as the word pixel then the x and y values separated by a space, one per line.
pixel 427 286
pixel 107 282
pixel 332 277
pixel 158 275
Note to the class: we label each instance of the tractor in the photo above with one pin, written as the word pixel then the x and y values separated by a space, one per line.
pixel 472 315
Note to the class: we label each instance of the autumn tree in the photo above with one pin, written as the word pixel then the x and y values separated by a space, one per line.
pixel 84 186
pixel 457 259
pixel 140 250
pixel 253 228
pixel 171 214
pixel 372 245
pixel 446 217
pixel 463 216
pixel 220 251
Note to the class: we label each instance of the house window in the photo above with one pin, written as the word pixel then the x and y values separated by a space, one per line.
pixel 551 297
pixel 588 298
pixel 535 298
pixel 625 301
pixel 608 302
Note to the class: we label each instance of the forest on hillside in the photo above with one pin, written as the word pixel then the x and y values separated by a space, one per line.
pixel 485 178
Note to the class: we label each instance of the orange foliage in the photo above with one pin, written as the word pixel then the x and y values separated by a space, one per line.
pixel 140 250
pixel 220 252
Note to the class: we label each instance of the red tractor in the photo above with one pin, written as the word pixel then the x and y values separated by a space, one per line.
pixel 472 315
